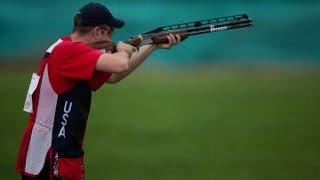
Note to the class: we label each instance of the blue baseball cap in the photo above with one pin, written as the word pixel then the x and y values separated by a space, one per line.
pixel 95 14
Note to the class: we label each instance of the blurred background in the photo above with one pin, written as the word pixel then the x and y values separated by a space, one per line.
pixel 239 104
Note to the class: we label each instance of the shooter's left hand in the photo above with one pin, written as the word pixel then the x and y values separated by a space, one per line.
pixel 172 40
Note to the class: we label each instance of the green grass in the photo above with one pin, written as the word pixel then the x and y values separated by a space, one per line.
pixel 222 125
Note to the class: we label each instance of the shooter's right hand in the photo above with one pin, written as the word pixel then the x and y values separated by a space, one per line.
pixel 121 46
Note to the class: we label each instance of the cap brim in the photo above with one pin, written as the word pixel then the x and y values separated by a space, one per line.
pixel 117 23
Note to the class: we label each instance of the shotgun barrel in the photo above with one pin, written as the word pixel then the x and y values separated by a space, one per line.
pixel 158 35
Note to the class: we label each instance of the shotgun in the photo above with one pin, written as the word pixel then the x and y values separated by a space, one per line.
pixel 158 35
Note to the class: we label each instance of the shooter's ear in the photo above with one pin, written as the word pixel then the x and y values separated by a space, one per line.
pixel 95 32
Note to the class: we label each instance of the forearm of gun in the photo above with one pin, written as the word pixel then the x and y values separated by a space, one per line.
pixel 162 38
pixel 151 39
